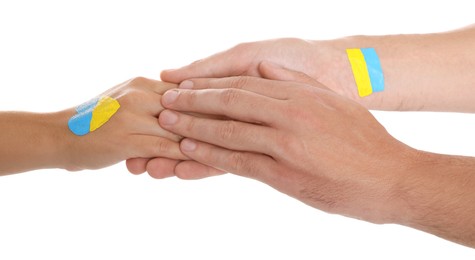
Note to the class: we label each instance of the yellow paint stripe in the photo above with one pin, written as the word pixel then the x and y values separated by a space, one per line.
pixel 104 110
pixel 360 72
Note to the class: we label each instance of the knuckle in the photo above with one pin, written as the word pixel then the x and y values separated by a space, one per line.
pixel 238 163
pixel 162 147
pixel 138 81
pixel 243 47
pixel 227 130
pixel 190 124
pixel 239 48
pixel 238 82
pixel 185 98
pixel 229 96
pixel 132 97
pixel 189 96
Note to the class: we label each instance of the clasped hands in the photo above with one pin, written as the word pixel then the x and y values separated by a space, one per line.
pixel 286 130
pixel 287 112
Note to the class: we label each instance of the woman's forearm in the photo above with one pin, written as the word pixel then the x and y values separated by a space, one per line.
pixel 93 135
pixel 29 141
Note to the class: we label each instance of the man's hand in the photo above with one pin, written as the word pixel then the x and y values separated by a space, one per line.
pixel 160 168
pixel 418 75
pixel 301 139
pixel 320 148
pixel 324 61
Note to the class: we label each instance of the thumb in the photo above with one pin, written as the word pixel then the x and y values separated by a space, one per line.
pixel 270 70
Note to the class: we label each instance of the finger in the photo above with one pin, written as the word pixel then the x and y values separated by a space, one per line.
pixel 160 168
pixel 228 63
pixel 273 71
pixel 270 70
pixel 150 103
pixel 136 165
pixel 225 133
pixel 274 89
pixel 252 165
pixel 192 170
pixel 233 103
pixel 141 103
pixel 149 126
pixel 144 146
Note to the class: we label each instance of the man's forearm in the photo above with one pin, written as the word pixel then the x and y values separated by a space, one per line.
pixel 431 72
pixel 437 195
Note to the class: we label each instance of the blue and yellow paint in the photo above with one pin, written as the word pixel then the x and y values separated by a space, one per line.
pixel 93 114
pixel 366 70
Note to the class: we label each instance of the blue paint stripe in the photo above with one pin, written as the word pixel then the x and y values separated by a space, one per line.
pixel 375 70
pixel 80 124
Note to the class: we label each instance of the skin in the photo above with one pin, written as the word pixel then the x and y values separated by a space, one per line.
pixel 420 70
pixel 316 142
pixel 409 86
pixel 290 141
pixel 42 140
pixel 324 150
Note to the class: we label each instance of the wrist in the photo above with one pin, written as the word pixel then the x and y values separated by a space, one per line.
pixel 425 182
pixel 334 69
pixel 436 196
pixel 394 170
pixel 401 57
pixel 428 72
pixel 60 139
pixel 406 185
pixel 331 67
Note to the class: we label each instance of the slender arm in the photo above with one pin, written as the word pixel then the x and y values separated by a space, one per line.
pixel 30 141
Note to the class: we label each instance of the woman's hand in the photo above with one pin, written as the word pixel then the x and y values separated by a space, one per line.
pixel 133 131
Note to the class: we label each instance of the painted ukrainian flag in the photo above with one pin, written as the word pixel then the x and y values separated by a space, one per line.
pixel 92 115
pixel 366 70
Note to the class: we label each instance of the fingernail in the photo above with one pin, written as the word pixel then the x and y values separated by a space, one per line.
pixel 187 84
pixel 169 97
pixel 188 145
pixel 168 117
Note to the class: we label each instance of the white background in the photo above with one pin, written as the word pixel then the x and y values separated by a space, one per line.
pixel 57 54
